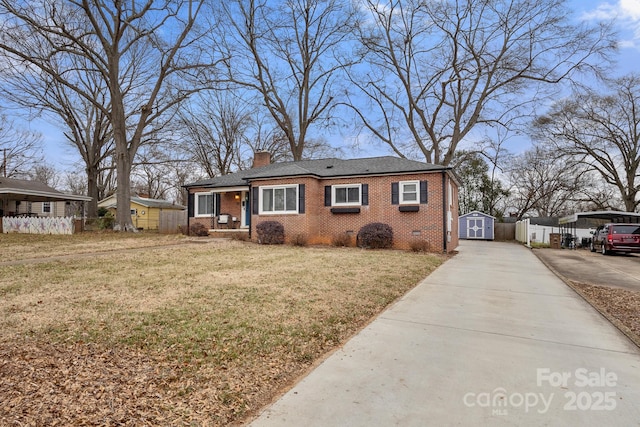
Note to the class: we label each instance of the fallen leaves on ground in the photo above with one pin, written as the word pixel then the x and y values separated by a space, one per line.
pixel 621 304
pixel 86 384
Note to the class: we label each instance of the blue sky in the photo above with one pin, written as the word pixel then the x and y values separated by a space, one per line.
pixel 625 13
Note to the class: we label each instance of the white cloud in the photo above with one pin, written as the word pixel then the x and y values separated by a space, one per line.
pixel 630 9
pixel 626 15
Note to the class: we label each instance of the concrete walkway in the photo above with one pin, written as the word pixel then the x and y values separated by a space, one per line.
pixel 490 338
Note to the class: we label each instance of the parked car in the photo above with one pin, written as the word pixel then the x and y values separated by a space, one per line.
pixel 611 238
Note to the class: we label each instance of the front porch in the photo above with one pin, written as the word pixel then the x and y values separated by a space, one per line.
pixel 224 211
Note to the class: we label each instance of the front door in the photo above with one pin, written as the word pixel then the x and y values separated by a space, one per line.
pixel 245 217
pixel 475 228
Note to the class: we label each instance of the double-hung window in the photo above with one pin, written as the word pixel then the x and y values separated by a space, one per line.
pixel 46 207
pixel 204 204
pixel 412 193
pixel 279 199
pixel 349 194
pixel 409 192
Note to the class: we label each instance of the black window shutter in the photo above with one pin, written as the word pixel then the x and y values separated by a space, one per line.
pixel 301 198
pixel 365 194
pixel 327 195
pixel 216 205
pixel 190 201
pixel 423 192
pixel 255 201
pixel 395 193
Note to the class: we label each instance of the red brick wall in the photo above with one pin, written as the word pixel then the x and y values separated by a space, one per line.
pixel 320 225
pixel 228 205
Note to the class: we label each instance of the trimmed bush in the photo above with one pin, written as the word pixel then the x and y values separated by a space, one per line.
pixel 270 233
pixel 375 236
pixel 198 229
pixel 420 245
pixel 341 240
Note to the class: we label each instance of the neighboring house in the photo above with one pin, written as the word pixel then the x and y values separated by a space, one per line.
pixel 19 197
pixel 324 199
pixel 145 212
pixel 476 225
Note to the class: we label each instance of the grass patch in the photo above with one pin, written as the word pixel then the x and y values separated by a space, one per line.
pixel 213 331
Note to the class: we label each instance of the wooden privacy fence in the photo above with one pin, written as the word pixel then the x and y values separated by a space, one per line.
pixel 504 232
pixel 172 221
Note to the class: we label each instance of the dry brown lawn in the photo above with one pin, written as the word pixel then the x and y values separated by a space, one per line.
pixel 164 330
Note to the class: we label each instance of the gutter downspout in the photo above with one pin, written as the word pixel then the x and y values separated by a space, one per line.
pixel 188 217
pixel 444 211
pixel 249 209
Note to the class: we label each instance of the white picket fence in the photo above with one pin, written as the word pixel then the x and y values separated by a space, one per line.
pixel 38 225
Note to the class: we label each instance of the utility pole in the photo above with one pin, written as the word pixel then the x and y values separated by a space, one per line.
pixel 4 161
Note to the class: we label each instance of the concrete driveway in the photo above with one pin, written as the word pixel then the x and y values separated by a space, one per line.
pixel 492 337
pixel 592 268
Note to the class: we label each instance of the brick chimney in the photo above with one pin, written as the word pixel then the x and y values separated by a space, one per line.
pixel 261 158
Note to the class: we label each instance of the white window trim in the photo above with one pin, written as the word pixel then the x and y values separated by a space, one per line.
pixel 401 191
pixel 196 201
pixel 333 195
pixel 261 211
pixel 44 206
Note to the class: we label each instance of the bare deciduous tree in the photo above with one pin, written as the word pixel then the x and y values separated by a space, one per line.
pixel 290 52
pixel 601 131
pixel 437 70
pixel 215 130
pixel 46 174
pixel 85 126
pixel 543 184
pixel 142 51
pixel 19 149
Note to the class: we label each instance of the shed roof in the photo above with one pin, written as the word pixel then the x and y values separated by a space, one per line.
pixel 322 168
pixel 477 213
pixel 146 202
pixel 34 191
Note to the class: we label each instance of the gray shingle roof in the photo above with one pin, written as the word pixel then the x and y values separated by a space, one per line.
pixel 323 168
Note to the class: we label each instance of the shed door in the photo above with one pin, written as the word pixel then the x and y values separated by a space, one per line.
pixel 475 228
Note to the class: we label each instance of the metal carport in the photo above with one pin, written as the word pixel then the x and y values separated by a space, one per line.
pixel 568 223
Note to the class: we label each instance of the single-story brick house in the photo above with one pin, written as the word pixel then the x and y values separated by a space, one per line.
pixel 322 199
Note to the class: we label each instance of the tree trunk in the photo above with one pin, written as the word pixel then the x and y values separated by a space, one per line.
pixel 123 194
pixel 92 191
